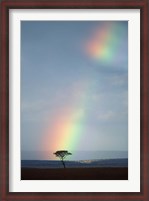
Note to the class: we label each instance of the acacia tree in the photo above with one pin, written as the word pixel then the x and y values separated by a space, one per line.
pixel 62 154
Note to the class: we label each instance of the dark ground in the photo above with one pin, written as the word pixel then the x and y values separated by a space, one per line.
pixel 75 174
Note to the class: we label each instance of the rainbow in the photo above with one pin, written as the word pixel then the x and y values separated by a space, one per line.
pixel 66 130
pixel 104 44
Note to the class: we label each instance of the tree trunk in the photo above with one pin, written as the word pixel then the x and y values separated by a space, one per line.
pixel 63 163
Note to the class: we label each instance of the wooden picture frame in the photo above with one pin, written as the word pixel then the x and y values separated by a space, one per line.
pixel 5 195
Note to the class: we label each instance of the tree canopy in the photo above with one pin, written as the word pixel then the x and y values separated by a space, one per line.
pixel 62 154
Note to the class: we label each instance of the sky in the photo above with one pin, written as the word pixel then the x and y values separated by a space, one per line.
pixel 74 86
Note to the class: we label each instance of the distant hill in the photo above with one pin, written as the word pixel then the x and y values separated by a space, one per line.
pixel 74 164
